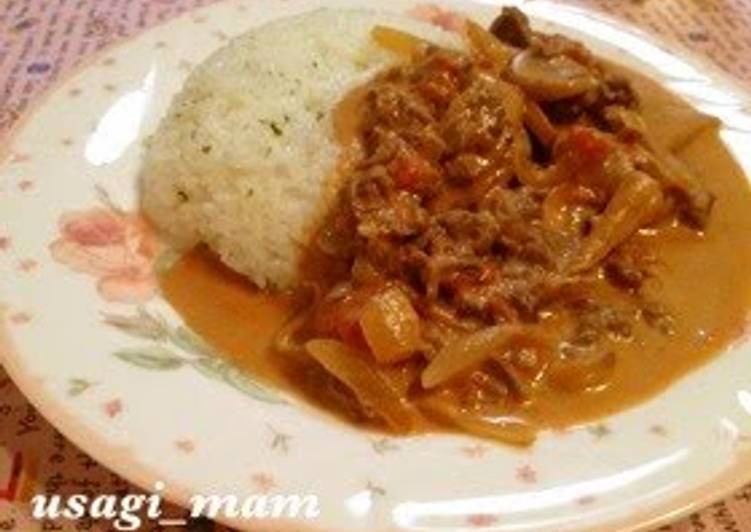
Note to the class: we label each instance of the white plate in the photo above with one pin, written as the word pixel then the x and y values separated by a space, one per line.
pixel 81 320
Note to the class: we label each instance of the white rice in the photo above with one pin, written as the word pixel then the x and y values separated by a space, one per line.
pixel 245 157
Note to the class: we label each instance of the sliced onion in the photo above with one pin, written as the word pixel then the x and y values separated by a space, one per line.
pixel 369 386
pixel 466 352
pixel 402 377
pixel 398 41
pixel 285 340
pixel 581 373
pixel 526 373
pixel 488 45
pixel 528 172
pixel 537 122
pixel 635 203
pixel 561 210
pixel 507 429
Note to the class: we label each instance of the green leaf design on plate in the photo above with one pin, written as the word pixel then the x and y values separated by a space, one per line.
pixel 165 260
pixel 211 367
pixel 218 369
pixel 189 341
pixel 154 357
pixel 245 384
pixel 77 386
pixel 142 325
pixel 159 357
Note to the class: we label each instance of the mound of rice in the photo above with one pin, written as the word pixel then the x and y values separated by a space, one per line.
pixel 244 159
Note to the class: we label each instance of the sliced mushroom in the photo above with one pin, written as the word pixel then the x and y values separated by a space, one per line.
pixel 635 204
pixel 551 78
pixel 512 27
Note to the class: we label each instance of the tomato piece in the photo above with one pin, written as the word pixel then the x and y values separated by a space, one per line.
pixel 582 154
pixel 590 147
pixel 413 173
pixel 340 318
pixel 472 277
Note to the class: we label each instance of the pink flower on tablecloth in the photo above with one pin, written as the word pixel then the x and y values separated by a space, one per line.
pixel 24 25
pixel 98 26
pixel 438 16
pixel 4 243
pixel 117 248
pixel 8 117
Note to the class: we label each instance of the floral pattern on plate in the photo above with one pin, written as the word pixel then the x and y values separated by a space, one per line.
pixel 116 247
pixel 172 347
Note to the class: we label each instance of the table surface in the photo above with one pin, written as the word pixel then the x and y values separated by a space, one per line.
pixel 42 39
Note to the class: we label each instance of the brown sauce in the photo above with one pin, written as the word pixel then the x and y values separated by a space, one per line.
pixel 703 277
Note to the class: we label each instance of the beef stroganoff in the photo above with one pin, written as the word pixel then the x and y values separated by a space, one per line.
pixel 509 236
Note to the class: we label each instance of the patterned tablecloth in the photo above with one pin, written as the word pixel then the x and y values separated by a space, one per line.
pixel 42 39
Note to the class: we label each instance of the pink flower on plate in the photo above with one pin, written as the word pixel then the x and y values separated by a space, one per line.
pixel 117 248
pixel 474 451
pixel 113 408
pixel 438 16
pixel 659 430
pixel 585 500
pixel 185 446
pixel 17 157
pixel 526 474
pixel 20 318
pixel 27 265
pixel 481 520
pixel 264 482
